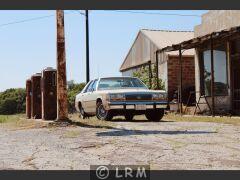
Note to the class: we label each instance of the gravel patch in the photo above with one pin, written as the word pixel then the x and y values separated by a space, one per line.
pixel 162 145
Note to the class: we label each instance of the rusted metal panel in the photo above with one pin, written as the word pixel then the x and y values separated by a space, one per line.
pixel 36 106
pixel 49 94
pixel 28 98
pixel 62 109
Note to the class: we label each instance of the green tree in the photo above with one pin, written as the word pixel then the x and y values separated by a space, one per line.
pixel 73 90
pixel 12 101
pixel 143 74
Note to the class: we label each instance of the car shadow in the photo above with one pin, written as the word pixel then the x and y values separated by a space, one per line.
pixel 126 132
pixel 115 131
pixel 77 123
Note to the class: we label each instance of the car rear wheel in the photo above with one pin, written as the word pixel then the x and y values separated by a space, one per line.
pixel 102 113
pixel 129 117
pixel 154 115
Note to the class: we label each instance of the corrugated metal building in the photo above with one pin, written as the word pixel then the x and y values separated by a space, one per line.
pixel 143 52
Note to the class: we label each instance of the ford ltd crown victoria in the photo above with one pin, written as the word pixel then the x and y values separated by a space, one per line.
pixel 125 96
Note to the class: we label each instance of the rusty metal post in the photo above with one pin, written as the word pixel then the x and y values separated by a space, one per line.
pixel 180 77
pixel 62 108
pixel 36 97
pixel 28 98
pixel 212 78
pixel 157 70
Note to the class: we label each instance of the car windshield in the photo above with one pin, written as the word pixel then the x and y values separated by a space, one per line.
pixel 120 83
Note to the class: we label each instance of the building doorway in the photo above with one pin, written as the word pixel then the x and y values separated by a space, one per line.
pixel 235 64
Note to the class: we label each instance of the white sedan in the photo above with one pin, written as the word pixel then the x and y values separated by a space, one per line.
pixel 127 96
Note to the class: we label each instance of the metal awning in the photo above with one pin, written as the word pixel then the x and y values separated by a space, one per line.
pixel 195 42
pixel 213 38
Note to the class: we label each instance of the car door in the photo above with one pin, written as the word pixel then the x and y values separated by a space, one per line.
pixel 92 97
pixel 85 95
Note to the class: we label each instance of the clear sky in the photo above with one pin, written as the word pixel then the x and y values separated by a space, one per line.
pixel 28 47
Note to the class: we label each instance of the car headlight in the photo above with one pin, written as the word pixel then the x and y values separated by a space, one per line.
pixel 116 97
pixel 159 96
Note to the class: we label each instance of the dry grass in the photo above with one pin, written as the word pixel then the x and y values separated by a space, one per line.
pixel 10 118
pixel 92 122
pixel 19 122
pixel 72 134
pixel 216 119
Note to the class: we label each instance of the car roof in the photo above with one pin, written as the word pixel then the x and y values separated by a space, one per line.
pixel 117 77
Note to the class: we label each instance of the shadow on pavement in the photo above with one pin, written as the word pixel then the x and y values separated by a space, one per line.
pixel 137 120
pixel 125 132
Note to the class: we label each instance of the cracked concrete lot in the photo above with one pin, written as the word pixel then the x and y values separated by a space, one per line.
pixel 162 145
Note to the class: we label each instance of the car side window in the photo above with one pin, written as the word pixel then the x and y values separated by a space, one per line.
pixel 94 85
pixel 91 86
pixel 88 87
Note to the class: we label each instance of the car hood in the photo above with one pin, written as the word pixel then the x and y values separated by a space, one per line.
pixel 107 91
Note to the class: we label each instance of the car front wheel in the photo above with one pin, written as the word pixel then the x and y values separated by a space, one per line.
pixel 102 113
pixel 154 115
pixel 83 115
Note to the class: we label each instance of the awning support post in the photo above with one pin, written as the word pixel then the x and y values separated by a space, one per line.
pixel 180 77
pixel 212 78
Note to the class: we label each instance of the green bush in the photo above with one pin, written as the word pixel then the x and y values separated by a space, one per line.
pixel 143 74
pixel 73 90
pixel 12 101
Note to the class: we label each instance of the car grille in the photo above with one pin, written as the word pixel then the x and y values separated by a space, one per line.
pixel 138 97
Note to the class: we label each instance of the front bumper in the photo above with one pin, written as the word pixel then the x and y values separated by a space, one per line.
pixel 136 105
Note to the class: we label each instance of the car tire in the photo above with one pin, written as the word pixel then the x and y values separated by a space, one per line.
pixel 129 117
pixel 102 113
pixel 154 115
pixel 83 115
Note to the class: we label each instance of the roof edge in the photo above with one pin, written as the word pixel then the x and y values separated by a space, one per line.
pixel 165 30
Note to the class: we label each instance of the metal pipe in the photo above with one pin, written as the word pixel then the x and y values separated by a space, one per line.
pixel 62 108
pixel 212 78
pixel 87 48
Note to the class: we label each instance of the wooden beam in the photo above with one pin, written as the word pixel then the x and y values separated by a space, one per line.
pixel 212 79
pixel 62 107
pixel 229 60
pixel 180 79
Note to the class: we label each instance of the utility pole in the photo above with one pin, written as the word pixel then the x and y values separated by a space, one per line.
pixel 62 108
pixel 87 47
